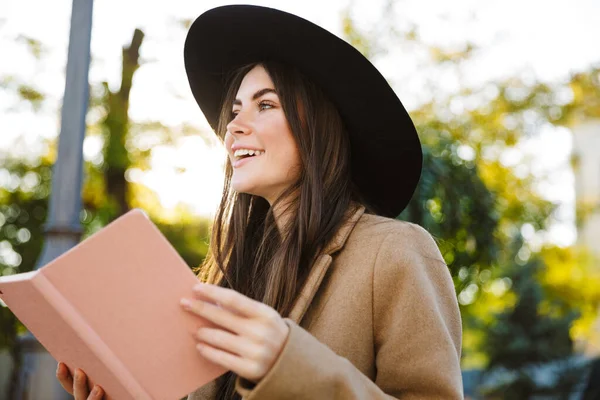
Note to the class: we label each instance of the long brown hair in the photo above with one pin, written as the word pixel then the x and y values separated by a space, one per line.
pixel 248 252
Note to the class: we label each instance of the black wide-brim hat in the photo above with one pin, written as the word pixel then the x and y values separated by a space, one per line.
pixel 386 156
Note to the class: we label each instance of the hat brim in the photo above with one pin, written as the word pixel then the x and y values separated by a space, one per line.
pixel 385 148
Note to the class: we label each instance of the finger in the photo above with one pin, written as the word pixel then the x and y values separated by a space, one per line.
pixel 64 377
pixel 232 300
pixel 243 367
pixel 80 388
pixel 96 393
pixel 229 342
pixel 219 316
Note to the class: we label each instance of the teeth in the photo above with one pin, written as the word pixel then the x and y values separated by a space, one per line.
pixel 243 152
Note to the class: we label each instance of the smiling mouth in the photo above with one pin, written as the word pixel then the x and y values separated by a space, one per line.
pixel 243 154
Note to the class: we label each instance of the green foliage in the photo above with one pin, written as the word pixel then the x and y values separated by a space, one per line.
pixel 585 101
pixel 529 336
pixel 36 47
pixel 476 204
pixel 571 275
pixel 190 238
pixel 468 198
pixel 29 94
pixel 453 204
pixel 353 36
pixel 529 333
pixel 25 189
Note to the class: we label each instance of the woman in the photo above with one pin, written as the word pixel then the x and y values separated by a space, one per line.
pixel 319 293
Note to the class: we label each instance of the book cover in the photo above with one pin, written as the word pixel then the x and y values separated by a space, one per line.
pixel 110 306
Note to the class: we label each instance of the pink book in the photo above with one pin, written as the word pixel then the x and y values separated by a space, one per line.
pixel 110 306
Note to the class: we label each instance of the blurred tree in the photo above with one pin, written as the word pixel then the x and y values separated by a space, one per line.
pixel 24 190
pixel 453 204
pixel 583 93
pixel 571 275
pixel 25 180
pixel 116 124
pixel 531 333
pixel 472 197
pixel 473 202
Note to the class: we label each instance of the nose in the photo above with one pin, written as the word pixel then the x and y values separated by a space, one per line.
pixel 238 125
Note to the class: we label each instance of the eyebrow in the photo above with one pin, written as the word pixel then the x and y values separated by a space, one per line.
pixel 260 93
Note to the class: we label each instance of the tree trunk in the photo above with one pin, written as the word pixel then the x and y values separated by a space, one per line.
pixel 116 158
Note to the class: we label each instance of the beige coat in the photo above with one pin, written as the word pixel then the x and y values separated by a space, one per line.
pixel 377 319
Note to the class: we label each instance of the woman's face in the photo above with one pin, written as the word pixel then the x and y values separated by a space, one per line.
pixel 259 126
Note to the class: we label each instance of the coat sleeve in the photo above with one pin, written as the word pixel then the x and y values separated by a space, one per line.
pixel 417 336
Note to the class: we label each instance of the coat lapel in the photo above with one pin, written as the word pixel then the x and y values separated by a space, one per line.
pixel 321 265
pixel 315 277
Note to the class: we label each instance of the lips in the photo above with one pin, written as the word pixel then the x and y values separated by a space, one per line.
pixel 243 161
pixel 242 146
pixel 241 154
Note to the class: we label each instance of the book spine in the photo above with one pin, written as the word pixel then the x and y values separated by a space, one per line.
pixel 89 337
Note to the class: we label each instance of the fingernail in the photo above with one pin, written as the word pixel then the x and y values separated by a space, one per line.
pixel 96 390
pixel 185 303
pixel 58 368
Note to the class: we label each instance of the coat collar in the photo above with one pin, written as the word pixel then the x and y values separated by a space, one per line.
pixel 322 263
pixel 339 239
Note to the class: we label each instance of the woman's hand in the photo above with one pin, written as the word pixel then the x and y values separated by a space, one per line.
pixel 250 334
pixel 78 387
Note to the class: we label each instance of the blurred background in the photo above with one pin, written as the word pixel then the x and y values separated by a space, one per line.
pixel 505 96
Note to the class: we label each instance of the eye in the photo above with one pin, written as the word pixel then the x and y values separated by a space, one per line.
pixel 265 105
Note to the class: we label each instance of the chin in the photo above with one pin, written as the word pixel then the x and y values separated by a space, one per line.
pixel 243 187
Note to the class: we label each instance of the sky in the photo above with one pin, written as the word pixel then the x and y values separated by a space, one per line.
pixel 547 40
